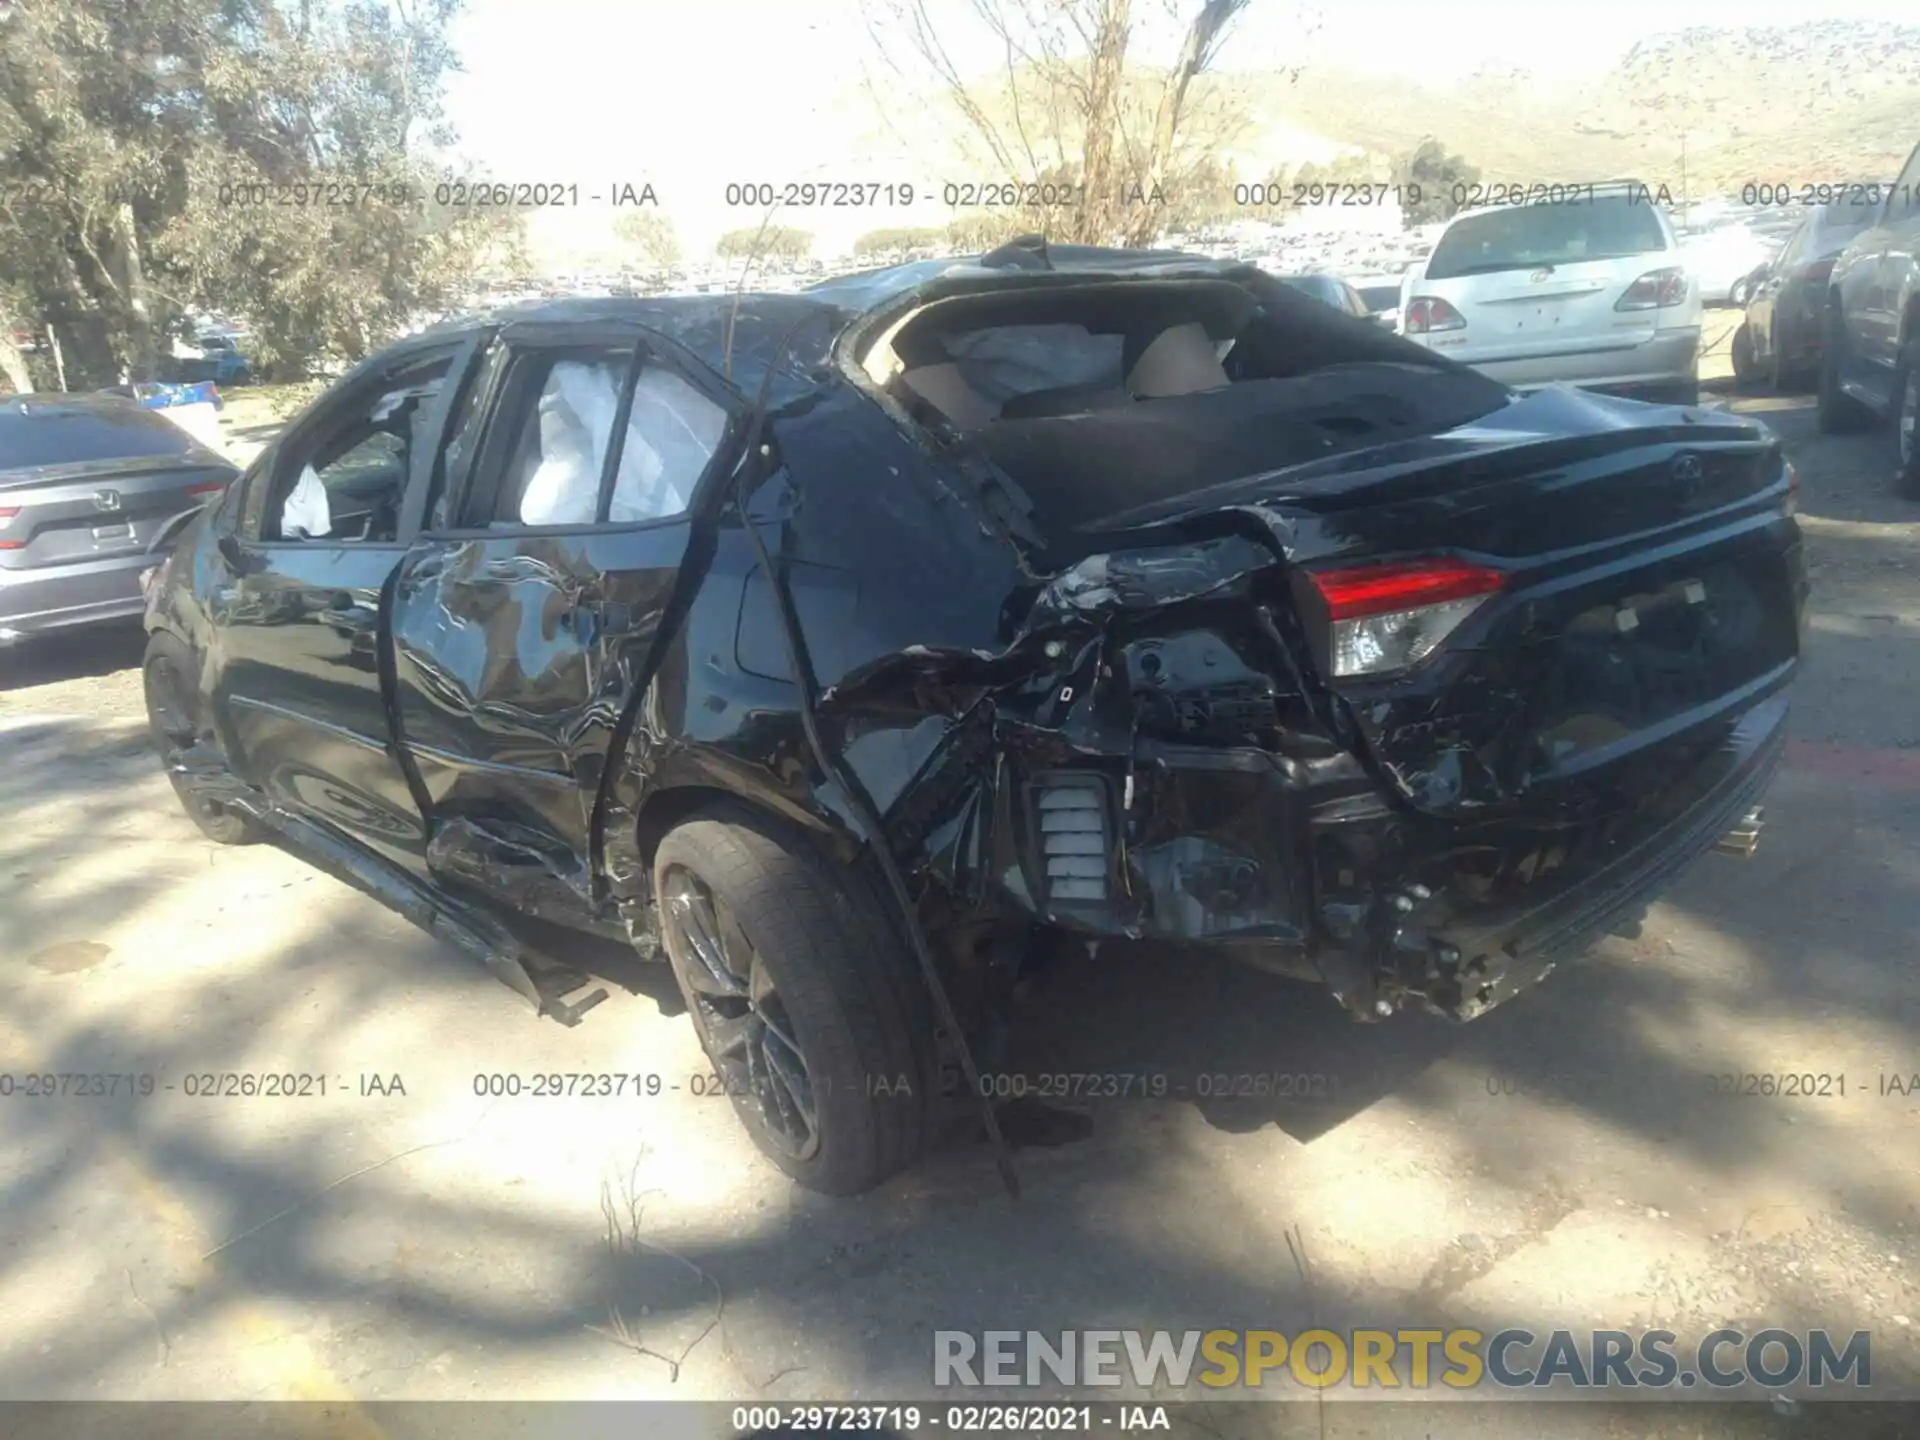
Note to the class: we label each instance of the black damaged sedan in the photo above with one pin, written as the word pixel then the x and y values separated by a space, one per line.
pixel 839 648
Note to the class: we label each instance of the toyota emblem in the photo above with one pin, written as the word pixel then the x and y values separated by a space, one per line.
pixel 1687 469
pixel 106 499
pixel 1540 275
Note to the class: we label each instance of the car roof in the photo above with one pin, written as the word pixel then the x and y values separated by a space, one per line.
pixel 1604 187
pixel 740 336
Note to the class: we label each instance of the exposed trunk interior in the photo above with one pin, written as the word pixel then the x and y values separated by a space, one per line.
pixel 1099 398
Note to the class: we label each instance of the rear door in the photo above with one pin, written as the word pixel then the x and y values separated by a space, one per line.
pixel 1544 279
pixel 296 598
pixel 85 485
pixel 527 612
pixel 1899 263
pixel 1867 278
pixel 1766 294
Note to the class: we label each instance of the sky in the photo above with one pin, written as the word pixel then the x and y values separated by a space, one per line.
pixel 694 94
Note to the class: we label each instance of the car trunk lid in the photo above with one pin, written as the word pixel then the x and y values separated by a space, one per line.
pixel 1541 311
pixel 100 509
pixel 1649 590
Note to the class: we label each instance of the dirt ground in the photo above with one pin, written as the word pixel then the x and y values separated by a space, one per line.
pixel 1561 1162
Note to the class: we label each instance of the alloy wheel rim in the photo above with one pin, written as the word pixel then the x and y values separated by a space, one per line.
pixel 743 1021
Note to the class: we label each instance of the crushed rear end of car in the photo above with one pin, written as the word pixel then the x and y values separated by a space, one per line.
pixel 1369 671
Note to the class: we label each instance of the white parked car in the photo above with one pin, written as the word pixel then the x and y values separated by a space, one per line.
pixel 1593 293
pixel 1722 261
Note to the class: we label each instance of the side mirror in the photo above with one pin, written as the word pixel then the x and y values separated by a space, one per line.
pixel 230 551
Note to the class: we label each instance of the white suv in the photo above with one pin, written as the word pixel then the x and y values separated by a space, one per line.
pixel 1589 290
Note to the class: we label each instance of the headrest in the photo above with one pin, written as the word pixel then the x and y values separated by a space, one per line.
pixel 1180 361
pixel 944 388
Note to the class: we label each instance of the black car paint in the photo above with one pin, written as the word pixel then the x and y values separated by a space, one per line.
pixel 517 718
pixel 1873 299
pixel 1786 312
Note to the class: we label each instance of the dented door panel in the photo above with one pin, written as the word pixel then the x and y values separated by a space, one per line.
pixel 514 657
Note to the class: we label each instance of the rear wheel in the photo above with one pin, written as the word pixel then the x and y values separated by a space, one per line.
pixel 1783 377
pixel 1741 292
pixel 173 715
pixel 1746 369
pixel 804 997
pixel 1906 421
pixel 1839 411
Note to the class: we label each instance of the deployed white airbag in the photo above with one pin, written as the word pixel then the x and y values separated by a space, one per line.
pixel 672 432
pixel 671 436
pixel 1011 360
pixel 306 515
pixel 576 417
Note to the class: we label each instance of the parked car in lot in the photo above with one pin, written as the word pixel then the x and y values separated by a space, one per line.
pixel 219 360
pixel 1721 261
pixel 87 485
pixel 195 407
pixel 1592 292
pixel 1780 335
pixel 1331 290
pixel 1381 295
pixel 840 648
pixel 1870 368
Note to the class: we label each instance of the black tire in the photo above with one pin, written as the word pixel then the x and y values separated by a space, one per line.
pixel 1741 292
pixel 1839 412
pixel 827 979
pixel 173 715
pixel 1782 377
pixel 1906 422
pixel 1746 369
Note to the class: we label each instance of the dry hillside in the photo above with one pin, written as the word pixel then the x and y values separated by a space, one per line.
pixel 1826 100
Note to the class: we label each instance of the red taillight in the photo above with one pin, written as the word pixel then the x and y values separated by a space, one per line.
pixel 1655 290
pixel 7 512
pixel 1363 590
pixel 1428 313
pixel 207 487
pixel 1386 617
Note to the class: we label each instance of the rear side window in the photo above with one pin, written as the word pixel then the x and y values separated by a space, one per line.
pixel 1609 227
pixel 61 434
pixel 559 415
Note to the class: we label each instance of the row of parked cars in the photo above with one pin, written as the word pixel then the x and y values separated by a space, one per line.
pixel 1839 310
pixel 1606 295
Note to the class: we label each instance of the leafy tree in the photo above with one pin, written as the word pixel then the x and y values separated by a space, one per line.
pixel 977 231
pixel 898 242
pixel 769 242
pixel 1203 197
pixel 652 234
pixel 1071 105
pixel 268 159
pixel 1436 172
